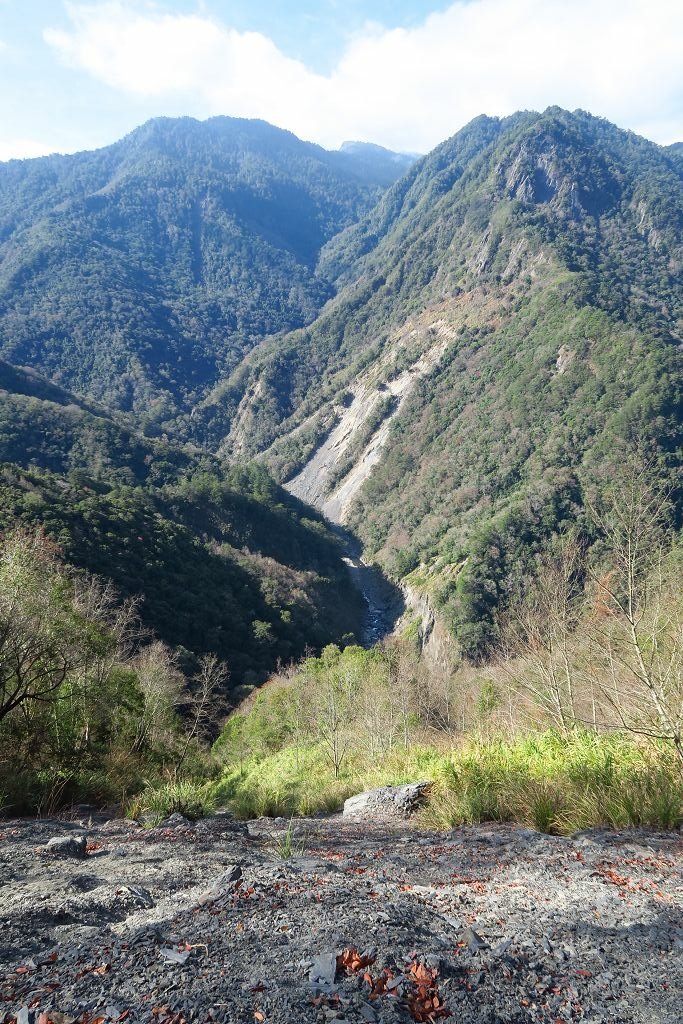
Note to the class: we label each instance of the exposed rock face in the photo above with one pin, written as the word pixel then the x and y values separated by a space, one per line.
pixel 312 483
pixel 387 801
pixel 437 645
pixel 565 358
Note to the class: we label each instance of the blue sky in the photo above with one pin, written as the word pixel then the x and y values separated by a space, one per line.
pixel 80 74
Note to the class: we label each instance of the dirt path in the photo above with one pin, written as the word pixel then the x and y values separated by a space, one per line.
pixel 494 924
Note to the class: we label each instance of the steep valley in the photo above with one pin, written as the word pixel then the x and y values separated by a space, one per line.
pixel 509 318
pixel 282 401
pixel 341 512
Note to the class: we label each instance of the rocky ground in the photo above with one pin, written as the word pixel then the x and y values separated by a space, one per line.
pixel 206 922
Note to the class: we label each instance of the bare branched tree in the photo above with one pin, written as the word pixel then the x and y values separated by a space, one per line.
pixel 637 624
pixel 334 707
pixel 204 708
pixel 161 684
pixel 540 633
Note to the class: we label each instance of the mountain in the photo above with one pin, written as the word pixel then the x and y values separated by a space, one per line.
pixel 377 164
pixel 509 318
pixel 470 352
pixel 140 273
pixel 44 426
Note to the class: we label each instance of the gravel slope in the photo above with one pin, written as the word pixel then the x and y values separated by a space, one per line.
pixel 492 923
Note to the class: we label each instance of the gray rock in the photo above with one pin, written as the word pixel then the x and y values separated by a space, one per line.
pixel 227 877
pixel 140 895
pixel 176 956
pixel 387 801
pixel 175 820
pixel 323 969
pixel 67 846
pixel 474 940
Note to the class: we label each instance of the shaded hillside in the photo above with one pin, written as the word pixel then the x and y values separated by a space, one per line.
pixel 224 562
pixel 44 426
pixel 140 272
pixel 522 284
pixel 222 558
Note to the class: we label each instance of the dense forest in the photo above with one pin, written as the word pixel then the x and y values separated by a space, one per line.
pixel 141 272
pixel 224 560
pixel 144 588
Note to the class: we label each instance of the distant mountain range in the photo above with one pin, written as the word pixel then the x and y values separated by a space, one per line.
pixel 141 272
pixel 441 353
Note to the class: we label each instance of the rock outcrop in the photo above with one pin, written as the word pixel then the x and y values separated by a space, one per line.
pixel 387 801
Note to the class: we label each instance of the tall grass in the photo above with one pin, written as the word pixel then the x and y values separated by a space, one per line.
pixel 191 799
pixel 542 780
pixel 560 785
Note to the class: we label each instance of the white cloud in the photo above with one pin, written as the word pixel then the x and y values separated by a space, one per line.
pixel 21 149
pixel 405 88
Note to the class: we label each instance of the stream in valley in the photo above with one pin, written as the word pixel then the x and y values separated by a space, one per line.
pixel 384 603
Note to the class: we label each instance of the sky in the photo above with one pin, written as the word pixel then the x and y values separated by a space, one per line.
pixel 79 74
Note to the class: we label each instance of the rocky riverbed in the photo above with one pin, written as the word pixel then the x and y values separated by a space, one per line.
pixel 206 922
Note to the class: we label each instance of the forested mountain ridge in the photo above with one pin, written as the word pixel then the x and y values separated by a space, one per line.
pixel 511 313
pixel 222 563
pixel 44 426
pixel 140 272
pixel 221 559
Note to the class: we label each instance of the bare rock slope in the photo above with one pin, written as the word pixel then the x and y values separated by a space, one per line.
pixel 207 922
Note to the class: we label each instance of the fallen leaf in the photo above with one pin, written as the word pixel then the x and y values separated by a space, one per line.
pixel 351 961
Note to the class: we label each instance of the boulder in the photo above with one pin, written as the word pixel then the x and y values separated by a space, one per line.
pixel 387 801
pixel 67 846
pixel 175 820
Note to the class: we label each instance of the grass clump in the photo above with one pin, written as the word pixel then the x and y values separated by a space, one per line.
pixel 287 845
pixel 191 799
pixel 285 783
